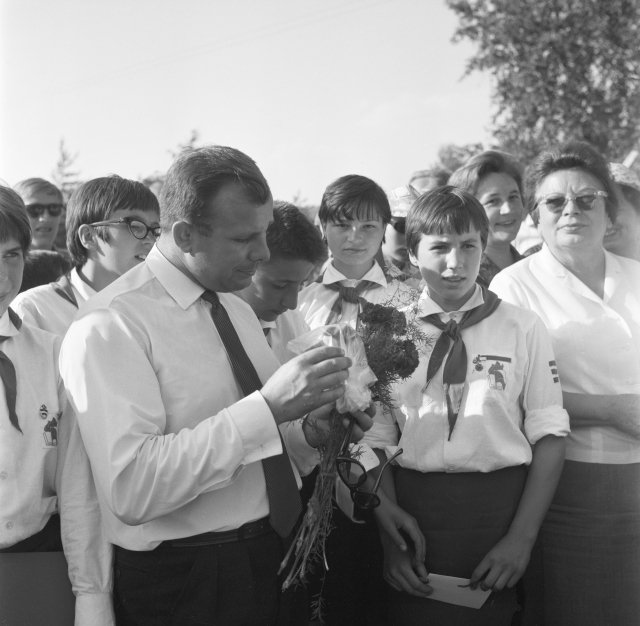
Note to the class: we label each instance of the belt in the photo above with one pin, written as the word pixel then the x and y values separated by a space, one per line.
pixel 246 531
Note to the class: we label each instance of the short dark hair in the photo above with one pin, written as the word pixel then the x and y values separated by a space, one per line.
pixel 42 267
pixel 568 156
pixel 292 236
pixel 440 175
pixel 197 175
pixel 37 185
pixel 354 197
pixel 14 222
pixel 95 201
pixel 444 210
pixel 468 176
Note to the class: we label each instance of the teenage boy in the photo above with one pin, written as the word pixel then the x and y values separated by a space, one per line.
pixel 296 249
pixel 480 421
pixel 44 205
pixel 112 223
pixel 46 488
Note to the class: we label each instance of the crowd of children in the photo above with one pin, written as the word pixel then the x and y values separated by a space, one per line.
pixel 151 471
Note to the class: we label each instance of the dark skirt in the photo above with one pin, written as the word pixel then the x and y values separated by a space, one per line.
pixel 462 515
pixel 587 569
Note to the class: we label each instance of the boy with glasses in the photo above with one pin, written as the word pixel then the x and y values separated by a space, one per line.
pixel 112 223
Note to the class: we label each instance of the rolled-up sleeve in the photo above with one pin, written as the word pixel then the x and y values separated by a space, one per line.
pixel 542 394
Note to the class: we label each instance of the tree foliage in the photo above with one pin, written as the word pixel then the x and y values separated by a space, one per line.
pixel 561 69
pixel 452 156
pixel 65 175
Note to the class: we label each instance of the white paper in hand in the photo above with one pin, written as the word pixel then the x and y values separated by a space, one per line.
pixel 456 591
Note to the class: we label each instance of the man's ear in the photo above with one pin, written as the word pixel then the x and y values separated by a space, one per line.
pixel 87 236
pixel 183 236
pixel 413 259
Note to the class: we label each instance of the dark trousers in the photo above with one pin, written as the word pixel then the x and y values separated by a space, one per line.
pixel 228 584
pixel 46 540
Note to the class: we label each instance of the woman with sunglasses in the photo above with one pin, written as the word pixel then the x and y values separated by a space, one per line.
pixel 495 179
pixel 590 302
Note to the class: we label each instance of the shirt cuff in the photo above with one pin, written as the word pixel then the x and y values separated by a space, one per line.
pixel 539 423
pixel 94 609
pixel 304 456
pixel 257 428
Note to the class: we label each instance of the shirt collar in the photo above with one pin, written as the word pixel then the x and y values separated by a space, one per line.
pixel 426 306
pixel 183 289
pixel 7 328
pixel 270 325
pixel 375 275
pixel 84 289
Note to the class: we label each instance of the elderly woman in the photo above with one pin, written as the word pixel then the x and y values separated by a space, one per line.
pixel 495 179
pixel 589 300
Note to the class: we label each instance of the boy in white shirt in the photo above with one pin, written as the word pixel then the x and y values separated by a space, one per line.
pixel 295 249
pixel 46 487
pixel 480 421
pixel 112 222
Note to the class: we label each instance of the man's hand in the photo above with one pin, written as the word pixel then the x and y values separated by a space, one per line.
pixel 306 382
pixel 317 425
pixel 402 570
pixel 503 565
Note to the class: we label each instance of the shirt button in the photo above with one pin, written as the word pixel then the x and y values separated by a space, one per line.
pixel 3 475
pixel 9 525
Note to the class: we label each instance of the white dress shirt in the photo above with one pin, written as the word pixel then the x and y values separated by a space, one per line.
pixel 315 300
pixel 44 308
pixel 596 340
pixel 44 470
pixel 174 446
pixel 505 409
pixel 282 330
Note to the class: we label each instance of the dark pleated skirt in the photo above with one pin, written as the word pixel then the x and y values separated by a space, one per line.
pixel 462 516
pixel 586 571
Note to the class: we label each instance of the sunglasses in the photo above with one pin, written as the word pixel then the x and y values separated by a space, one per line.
pixel 584 200
pixel 136 227
pixel 35 211
pixel 354 475
pixel 398 224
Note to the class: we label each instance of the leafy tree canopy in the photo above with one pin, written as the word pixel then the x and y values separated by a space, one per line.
pixel 561 68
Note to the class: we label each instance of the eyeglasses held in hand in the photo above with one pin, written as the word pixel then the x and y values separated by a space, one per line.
pixel 398 224
pixel 584 200
pixel 354 475
pixel 136 227
pixel 34 211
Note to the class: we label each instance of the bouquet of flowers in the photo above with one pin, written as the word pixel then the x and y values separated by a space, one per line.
pixel 383 350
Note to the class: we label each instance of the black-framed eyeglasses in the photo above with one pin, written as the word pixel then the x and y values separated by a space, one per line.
pixel 136 227
pixel 398 224
pixel 35 211
pixel 354 475
pixel 555 202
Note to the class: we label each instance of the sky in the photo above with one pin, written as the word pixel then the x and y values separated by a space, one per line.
pixel 310 89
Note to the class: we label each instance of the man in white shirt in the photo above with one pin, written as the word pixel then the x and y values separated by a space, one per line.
pixel 183 451
pixel 112 223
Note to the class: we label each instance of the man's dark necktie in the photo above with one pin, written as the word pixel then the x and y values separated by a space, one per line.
pixel 8 375
pixel 282 490
pixel 346 294
pixel 454 374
